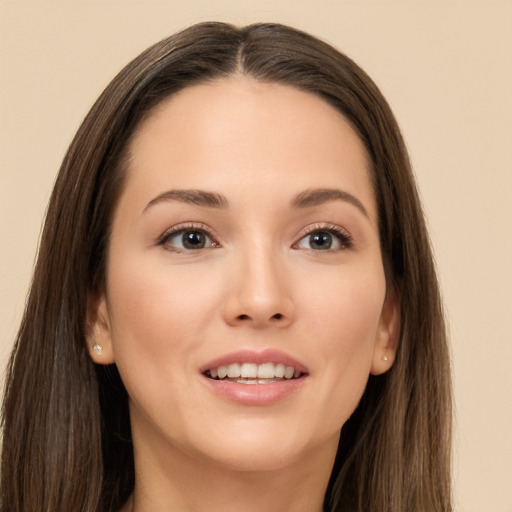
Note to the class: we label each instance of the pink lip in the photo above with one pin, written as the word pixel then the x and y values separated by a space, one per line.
pixel 254 394
pixel 268 355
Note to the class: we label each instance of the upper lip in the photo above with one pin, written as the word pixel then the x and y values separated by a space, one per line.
pixel 268 355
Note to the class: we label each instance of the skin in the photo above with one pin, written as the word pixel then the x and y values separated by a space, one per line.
pixel 260 283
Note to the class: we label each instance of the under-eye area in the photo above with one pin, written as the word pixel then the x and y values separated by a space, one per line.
pixel 252 373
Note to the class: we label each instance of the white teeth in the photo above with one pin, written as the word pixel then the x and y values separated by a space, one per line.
pixel 279 370
pixel 256 381
pixel 266 371
pixel 254 373
pixel 234 371
pixel 249 370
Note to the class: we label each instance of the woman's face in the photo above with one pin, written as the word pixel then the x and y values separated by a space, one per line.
pixel 245 242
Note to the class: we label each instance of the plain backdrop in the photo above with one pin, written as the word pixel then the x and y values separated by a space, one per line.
pixel 445 67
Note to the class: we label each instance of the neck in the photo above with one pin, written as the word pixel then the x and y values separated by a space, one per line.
pixel 172 481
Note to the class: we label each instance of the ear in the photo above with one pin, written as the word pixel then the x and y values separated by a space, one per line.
pixel 99 340
pixel 388 333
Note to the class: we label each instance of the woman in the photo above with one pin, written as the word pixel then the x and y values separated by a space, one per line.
pixel 235 305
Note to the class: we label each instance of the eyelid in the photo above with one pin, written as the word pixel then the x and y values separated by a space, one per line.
pixel 188 226
pixel 344 237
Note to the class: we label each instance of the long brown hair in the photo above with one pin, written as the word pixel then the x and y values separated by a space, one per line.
pixel 66 432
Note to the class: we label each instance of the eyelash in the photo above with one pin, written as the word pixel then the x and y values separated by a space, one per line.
pixel 339 233
pixel 183 228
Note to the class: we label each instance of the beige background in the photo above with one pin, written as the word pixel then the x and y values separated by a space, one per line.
pixel 445 68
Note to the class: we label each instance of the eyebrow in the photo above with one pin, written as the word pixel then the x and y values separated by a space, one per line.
pixel 197 197
pixel 306 199
pixel 318 196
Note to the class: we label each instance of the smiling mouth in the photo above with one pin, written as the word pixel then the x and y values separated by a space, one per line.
pixel 252 373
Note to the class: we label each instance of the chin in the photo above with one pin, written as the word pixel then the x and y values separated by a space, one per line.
pixel 264 450
pixel 257 461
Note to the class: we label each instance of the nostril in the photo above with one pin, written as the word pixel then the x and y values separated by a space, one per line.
pixel 257 319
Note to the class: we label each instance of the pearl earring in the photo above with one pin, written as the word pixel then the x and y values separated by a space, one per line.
pixel 97 348
pixel 384 358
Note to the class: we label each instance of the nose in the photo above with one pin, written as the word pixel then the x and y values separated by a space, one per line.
pixel 259 293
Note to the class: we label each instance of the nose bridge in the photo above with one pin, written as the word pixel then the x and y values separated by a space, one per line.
pixel 259 288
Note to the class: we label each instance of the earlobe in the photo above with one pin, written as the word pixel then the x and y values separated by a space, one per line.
pixel 388 334
pixel 98 334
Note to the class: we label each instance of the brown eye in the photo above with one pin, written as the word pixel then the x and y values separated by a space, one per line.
pixel 334 239
pixel 193 240
pixel 188 240
pixel 320 241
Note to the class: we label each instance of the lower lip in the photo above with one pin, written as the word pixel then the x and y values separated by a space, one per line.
pixel 255 394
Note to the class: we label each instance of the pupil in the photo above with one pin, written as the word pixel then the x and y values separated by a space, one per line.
pixel 193 240
pixel 321 241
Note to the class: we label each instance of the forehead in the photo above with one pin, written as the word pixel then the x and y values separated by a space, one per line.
pixel 238 131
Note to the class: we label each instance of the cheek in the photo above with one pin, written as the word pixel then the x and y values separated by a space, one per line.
pixel 157 315
pixel 345 306
pixel 345 322
pixel 347 337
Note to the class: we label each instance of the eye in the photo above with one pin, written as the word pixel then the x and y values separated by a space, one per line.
pixel 333 238
pixel 187 239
